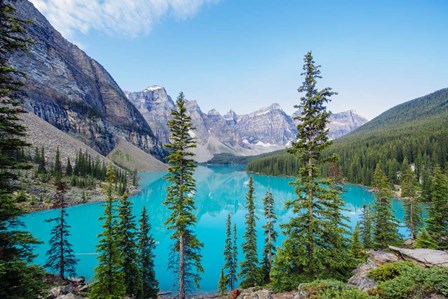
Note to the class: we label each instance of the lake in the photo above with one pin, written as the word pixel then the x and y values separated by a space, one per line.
pixel 220 190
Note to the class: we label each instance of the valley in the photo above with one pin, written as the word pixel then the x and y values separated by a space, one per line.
pixel 111 191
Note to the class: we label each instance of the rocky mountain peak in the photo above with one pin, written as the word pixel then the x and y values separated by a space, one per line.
pixel 73 92
pixel 264 130
pixel 213 112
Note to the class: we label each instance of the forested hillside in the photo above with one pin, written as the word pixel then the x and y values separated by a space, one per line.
pixel 416 131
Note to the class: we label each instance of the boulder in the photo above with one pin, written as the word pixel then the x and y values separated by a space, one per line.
pixel 360 278
pixel 255 293
pixel 422 256
pixel 376 259
pixel 381 257
pixel 58 291
pixel 409 243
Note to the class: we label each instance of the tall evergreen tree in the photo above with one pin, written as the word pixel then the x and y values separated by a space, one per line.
pixel 249 265
pixel 60 256
pixel 222 284
pixel 366 227
pixel 229 267
pixel 41 168
pixel 146 247
pixel 356 248
pixel 270 236
pixel 186 252
pixel 385 224
pixel 438 211
pixel 126 235
pixel 426 182
pixel 57 169
pixel 424 240
pixel 234 270
pixel 315 245
pixel 18 279
pixel 108 274
pixel 413 210
pixel 68 168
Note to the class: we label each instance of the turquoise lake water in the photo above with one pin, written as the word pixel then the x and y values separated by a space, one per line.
pixel 220 190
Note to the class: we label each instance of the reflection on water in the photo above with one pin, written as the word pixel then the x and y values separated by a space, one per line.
pixel 220 190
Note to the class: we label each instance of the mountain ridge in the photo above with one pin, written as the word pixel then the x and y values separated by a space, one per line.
pixel 75 93
pixel 264 130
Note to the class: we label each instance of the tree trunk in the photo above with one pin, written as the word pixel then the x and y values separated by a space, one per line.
pixel 411 220
pixel 61 244
pixel 310 211
pixel 181 268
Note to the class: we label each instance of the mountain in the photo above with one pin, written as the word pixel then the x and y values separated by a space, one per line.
pixel 74 93
pixel 416 130
pixel 265 130
pixel 343 123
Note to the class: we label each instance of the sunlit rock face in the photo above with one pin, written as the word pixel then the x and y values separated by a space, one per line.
pixel 264 130
pixel 75 93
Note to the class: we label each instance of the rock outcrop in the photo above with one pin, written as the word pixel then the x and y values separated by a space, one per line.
pixel 73 92
pixel 422 256
pixel 255 293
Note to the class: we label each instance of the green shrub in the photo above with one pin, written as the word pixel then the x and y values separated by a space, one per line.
pixel 391 270
pixel 332 289
pixel 404 280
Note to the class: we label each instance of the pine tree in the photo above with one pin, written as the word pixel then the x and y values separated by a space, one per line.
pixel 108 274
pixel 424 240
pixel 356 248
pixel 229 267
pixel 366 227
pixel 234 270
pixel 249 266
pixel 57 170
pixel 385 224
pixel 185 257
pixel 134 178
pixel 222 284
pixel 270 236
pixel 42 163
pixel 146 247
pixel 438 211
pixel 69 168
pixel 15 245
pixel 126 234
pixel 426 182
pixel 315 245
pixel 413 210
pixel 60 256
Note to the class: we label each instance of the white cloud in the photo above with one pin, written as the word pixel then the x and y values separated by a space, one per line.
pixel 128 18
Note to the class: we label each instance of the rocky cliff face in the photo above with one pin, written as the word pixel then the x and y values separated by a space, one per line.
pixel 265 130
pixel 75 93
pixel 344 122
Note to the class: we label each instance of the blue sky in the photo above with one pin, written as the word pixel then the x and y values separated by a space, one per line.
pixel 247 54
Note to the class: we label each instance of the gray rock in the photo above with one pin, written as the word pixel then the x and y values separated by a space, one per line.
pixel 381 257
pixel 265 130
pixel 423 256
pixel 58 291
pixel 73 92
pixel 343 123
pixel 255 293
pixel 360 278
